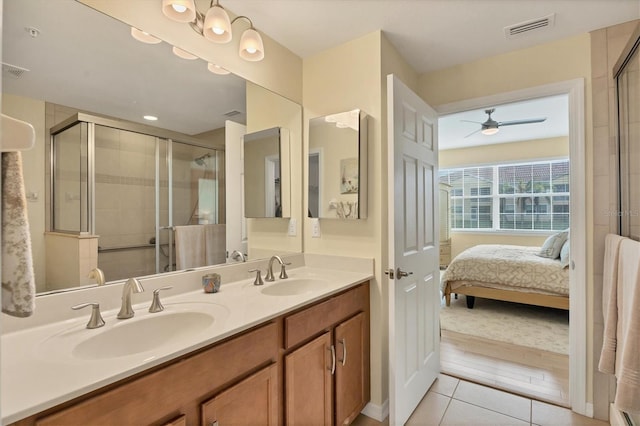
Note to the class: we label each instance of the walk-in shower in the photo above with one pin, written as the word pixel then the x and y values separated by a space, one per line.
pixel 123 187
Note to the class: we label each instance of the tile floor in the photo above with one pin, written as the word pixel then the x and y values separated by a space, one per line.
pixel 451 401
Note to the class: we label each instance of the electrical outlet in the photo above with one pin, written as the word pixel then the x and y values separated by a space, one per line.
pixel 315 228
pixel 293 227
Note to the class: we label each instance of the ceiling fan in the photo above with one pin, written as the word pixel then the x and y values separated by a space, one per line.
pixel 491 127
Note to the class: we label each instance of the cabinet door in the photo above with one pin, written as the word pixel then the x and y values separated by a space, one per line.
pixel 308 386
pixel 351 371
pixel 253 401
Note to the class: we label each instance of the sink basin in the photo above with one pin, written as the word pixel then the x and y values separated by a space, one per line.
pixel 294 286
pixel 145 334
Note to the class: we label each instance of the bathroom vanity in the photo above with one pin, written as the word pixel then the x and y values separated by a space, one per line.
pixel 295 351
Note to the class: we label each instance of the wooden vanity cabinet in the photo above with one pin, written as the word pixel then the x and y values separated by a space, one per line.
pixel 327 378
pixel 307 367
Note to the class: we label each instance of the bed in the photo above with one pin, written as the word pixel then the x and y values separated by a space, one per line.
pixel 507 272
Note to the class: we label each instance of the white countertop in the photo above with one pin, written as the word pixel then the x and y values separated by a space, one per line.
pixel 37 375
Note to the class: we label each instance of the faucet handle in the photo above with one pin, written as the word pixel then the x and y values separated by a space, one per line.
pixel 95 321
pixel 156 305
pixel 258 280
pixel 283 270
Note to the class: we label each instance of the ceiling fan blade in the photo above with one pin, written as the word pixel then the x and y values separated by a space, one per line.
pixel 473 133
pixel 515 122
pixel 469 121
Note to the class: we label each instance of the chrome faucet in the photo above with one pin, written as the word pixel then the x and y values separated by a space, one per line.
pixel 131 286
pixel 236 255
pixel 283 271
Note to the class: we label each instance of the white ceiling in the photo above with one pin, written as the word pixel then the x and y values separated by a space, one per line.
pixel 87 61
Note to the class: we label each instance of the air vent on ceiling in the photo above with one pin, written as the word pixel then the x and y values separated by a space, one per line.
pixel 533 25
pixel 232 113
pixel 13 70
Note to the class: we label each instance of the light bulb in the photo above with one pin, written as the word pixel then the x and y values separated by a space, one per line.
pixel 179 8
pixel 218 31
pixel 251 50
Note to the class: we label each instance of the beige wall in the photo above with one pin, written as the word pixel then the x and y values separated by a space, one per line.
pixel 280 70
pixel 33 163
pixel 606 46
pixel 537 149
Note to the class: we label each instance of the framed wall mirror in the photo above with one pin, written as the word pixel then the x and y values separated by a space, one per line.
pixel 267 174
pixel 55 74
pixel 337 165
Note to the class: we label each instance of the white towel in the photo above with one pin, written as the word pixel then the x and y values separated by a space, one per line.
pixel 609 303
pixel 18 283
pixel 190 246
pixel 215 244
pixel 628 336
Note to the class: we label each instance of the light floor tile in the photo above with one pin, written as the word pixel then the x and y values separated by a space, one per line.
pixel 493 399
pixel 550 415
pixel 444 385
pixel 462 413
pixel 430 410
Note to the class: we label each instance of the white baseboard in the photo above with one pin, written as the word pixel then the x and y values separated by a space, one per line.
pixel 377 412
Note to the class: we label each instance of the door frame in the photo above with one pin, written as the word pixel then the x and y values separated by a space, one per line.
pixel 577 272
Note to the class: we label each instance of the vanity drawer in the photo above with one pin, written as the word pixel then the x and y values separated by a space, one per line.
pixel 176 389
pixel 304 324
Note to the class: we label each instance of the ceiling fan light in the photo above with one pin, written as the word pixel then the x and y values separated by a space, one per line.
pixel 490 131
pixel 183 54
pixel 179 10
pixel 217 69
pixel 217 26
pixel 144 37
pixel 251 46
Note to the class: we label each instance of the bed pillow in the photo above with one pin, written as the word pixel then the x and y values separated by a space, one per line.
pixel 564 254
pixel 552 245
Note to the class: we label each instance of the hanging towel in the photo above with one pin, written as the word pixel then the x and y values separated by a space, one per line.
pixel 609 303
pixel 628 336
pixel 18 283
pixel 190 246
pixel 215 244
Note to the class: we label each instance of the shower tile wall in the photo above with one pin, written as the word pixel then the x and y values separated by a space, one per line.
pixel 125 202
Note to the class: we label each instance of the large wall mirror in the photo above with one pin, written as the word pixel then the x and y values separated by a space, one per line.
pixel 338 166
pixel 627 74
pixel 150 176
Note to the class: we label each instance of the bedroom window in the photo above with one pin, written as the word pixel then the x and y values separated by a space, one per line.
pixel 523 196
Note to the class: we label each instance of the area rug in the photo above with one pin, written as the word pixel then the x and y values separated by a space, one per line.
pixel 524 325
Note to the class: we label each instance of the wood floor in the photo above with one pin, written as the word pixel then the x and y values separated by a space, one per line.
pixel 529 372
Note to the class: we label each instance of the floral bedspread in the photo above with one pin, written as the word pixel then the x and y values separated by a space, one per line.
pixel 510 267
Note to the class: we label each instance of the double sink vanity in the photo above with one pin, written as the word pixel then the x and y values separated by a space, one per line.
pixel 292 351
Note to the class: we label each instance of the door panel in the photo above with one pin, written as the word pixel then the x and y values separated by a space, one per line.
pixel 413 249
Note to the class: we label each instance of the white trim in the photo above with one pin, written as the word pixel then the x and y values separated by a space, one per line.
pixel 578 302
pixel 377 412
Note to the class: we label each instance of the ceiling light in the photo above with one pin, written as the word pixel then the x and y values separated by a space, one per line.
pixel 215 26
pixel 179 10
pixel 150 118
pixel 144 37
pixel 183 54
pixel 490 131
pixel 217 69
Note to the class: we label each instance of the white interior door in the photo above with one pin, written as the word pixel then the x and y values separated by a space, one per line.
pixel 414 272
pixel 234 187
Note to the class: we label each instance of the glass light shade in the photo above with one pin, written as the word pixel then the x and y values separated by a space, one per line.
pixel 217 26
pixel 179 10
pixel 251 47
pixel 144 36
pixel 490 131
pixel 183 54
pixel 217 69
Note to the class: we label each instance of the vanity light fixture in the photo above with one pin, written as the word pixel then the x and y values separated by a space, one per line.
pixel 144 36
pixel 183 54
pixel 215 26
pixel 217 69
